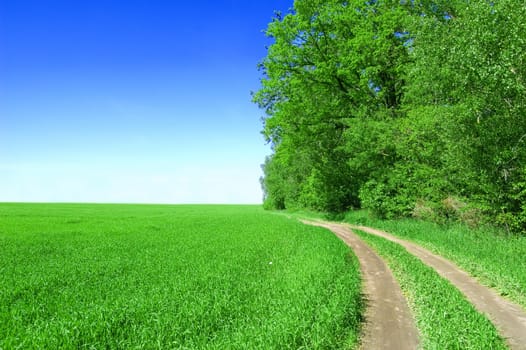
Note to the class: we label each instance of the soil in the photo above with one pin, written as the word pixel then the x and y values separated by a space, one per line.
pixel 509 318
pixel 388 320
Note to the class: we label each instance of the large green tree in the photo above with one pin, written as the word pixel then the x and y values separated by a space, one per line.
pixel 333 64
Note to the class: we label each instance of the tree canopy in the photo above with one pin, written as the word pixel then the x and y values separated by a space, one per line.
pixel 402 107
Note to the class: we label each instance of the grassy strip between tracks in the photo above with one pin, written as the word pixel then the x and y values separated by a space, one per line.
pixel 172 277
pixel 446 320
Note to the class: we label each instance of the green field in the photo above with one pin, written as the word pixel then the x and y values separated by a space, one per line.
pixel 181 277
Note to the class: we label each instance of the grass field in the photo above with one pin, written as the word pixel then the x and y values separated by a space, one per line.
pixel 181 277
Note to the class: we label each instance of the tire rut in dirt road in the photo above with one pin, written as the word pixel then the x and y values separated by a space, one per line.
pixel 509 318
pixel 389 323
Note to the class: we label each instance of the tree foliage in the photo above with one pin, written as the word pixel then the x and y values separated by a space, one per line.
pixel 402 107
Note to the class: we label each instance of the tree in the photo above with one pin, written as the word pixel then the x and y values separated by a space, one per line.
pixel 399 107
pixel 333 64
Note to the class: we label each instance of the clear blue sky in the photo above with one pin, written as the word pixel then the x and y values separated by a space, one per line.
pixel 132 100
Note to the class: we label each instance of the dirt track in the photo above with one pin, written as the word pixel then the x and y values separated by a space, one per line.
pixel 388 320
pixel 509 318
pixel 383 322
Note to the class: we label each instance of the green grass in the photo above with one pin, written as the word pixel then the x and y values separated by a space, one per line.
pixel 497 260
pixel 446 320
pixel 178 277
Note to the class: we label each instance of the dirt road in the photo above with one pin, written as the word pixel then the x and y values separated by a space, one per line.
pixel 388 320
pixel 509 318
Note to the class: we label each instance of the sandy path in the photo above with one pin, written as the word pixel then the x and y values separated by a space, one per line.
pixel 509 318
pixel 388 320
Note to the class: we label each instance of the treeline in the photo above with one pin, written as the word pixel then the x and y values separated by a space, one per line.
pixel 407 108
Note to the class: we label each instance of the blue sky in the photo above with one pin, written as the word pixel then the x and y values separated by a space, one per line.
pixel 131 101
